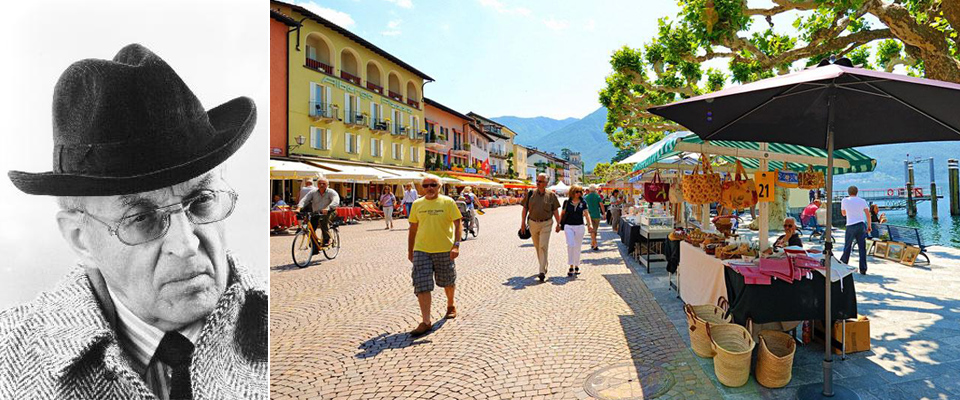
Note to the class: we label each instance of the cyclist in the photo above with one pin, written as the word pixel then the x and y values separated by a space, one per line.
pixel 472 205
pixel 323 201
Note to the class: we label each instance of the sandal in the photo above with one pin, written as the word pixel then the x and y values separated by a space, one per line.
pixel 576 270
pixel 570 273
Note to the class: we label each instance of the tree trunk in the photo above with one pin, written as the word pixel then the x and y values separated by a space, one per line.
pixel 922 42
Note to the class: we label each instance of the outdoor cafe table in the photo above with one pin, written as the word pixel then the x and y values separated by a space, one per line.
pixel 349 212
pixel 781 301
pixel 485 203
pixel 282 219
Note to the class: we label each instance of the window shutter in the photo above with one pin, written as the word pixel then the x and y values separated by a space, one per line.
pixel 346 107
pixel 356 140
pixel 313 137
pixel 373 112
pixel 313 92
pixel 346 141
pixel 327 98
pixel 400 152
pixel 381 147
pixel 328 143
pixel 373 147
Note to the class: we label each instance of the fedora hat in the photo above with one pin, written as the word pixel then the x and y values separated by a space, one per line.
pixel 131 125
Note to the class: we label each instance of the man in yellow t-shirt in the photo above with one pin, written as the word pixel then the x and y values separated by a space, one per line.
pixel 432 245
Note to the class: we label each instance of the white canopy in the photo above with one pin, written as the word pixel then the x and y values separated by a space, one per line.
pixel 351 173
pixel 293 170
pixel 560 187
pixel 400 175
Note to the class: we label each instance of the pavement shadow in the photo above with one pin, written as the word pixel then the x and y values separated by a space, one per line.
pixel 603 261
pixel 562 280
pixel 387 341
pixel 291 266
pixel 521 282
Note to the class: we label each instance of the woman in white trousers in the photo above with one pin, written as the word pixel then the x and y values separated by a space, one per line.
pixel 574 220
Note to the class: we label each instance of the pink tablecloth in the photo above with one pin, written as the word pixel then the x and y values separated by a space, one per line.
pixel 701 276
pixel 349 212
pixel 282 219
pixel 485 203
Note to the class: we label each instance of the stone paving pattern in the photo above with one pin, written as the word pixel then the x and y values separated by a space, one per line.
pixel 914 332
pixel 338 328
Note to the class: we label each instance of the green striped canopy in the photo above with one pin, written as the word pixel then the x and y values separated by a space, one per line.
pixel 665 148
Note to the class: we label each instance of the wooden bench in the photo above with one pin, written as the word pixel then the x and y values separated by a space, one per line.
pixel 904 234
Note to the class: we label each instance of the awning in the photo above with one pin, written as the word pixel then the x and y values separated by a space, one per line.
pixel 479 182
pixel 402 176
pixel 780 156
pixel 293 170
pixel 338 172
pixel 518 186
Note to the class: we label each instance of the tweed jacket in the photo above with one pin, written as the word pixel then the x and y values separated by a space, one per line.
pixel 63 344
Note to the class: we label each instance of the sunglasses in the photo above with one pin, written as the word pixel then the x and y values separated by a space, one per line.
pixel 137 227
pixel 430 185
pixel 788 226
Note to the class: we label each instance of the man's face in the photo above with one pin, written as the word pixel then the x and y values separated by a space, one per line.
pixel 173 280
pixel 322 186
pixel 789 226
pixel 541 183
pixel 431 187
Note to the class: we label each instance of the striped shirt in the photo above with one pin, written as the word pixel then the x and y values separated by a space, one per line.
pixel 140 340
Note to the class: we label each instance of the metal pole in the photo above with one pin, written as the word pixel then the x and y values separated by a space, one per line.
pixel 953 172
pixel 933 193
pixel 763 211
pixel 911 206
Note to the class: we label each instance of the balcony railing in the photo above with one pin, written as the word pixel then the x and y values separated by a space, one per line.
pixel 379 124
pixel 394 95
pixel 374 87
pixel 491 129
pixel 319 110
pixel 319 66
pixel 414 103
pixel 399 129
pixel 356 119
pixel 350 77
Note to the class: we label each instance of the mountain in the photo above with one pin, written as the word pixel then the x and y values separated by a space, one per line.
pixel 890 171
pixel 531 129
pixel 586 136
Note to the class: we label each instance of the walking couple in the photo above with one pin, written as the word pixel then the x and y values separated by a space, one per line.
pixel 541 208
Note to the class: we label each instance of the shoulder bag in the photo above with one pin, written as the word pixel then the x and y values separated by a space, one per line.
pixel 656 191
pixel 738 192
pixel 701 188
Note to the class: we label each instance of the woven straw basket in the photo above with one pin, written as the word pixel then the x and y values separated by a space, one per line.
pixel 734 347
pixel 698 318
pixel 775 359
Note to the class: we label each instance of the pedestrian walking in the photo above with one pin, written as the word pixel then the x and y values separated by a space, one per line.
pixel 540 206
pixel 306 188
pixel 858 227
pixel 410 195
pixel 387 201
pixel 595 206
pixel 575 212
pixel 616 202
pixel 432 246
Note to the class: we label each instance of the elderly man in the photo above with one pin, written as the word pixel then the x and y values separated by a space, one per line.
pixel 322 202
pixel 306 189
pixel 541 207
pixel 433 244
pixel 158 307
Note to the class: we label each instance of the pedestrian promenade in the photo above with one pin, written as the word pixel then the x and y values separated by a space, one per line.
pixel 339 328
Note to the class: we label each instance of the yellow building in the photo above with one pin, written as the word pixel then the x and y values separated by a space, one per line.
pixel 520 161
pixel 350 103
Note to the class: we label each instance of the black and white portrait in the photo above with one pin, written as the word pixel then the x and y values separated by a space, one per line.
pixel 134 213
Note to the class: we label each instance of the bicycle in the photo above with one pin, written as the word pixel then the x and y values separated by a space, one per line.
pixel 305 240
pixel 470 226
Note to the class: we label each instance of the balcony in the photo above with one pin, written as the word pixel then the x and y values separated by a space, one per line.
pixel 374 87
pixel 355 120
pixel 462 149
pixel 419 136
pixel 394 95
pixel 322 111
pixel 350 77
pixel 491 129
pixel 399 129
pixel 319 66
pixel 413 103
pixel 379 125
pixel 499 154
pixel 434 142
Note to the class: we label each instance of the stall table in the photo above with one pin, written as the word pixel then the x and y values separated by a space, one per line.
pixel 648 236
pixel 781 301
pixel 282 219
pixel 700 276
pixel 629 233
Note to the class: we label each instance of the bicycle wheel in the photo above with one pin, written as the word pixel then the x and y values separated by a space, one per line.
pixel 331 251
pixel 475 226
pixel 302 250
pixel 465 231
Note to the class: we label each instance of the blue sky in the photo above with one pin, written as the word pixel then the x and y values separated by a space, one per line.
pixel 504 57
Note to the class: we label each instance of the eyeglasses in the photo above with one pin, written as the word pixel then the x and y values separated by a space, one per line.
pixel 539 181
pixel 207 207
pixel 788 226
pixel 430 185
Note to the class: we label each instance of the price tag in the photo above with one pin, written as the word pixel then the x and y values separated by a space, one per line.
pixel 765 182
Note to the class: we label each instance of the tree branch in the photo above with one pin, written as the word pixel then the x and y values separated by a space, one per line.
pixel 781 6
pixel 830 45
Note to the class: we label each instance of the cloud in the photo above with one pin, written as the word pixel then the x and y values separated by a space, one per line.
pixel 338 17
pixel 554 24
pixel 402 3
pixel 393 28
pixel 504 9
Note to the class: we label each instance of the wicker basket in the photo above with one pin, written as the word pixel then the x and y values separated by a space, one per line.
pixel 698 318
pixel 734 348
pixel 775 359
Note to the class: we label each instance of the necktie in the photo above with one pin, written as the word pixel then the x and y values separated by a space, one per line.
pixel 175 350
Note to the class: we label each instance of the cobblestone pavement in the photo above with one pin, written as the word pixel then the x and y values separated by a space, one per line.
pixel 338 328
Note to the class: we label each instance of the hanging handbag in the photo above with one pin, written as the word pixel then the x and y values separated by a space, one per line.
pixel 701 188
pixel 675 195
pixel 811 179
pixel 656 191
pixel 738 192
pixel 787 179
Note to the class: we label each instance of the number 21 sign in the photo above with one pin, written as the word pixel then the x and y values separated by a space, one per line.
pixel 765 182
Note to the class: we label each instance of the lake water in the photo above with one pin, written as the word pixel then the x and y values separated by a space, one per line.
pixel 945 231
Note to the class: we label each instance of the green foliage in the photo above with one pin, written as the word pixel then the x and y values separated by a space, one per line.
pixel 606 171
pixel 622 154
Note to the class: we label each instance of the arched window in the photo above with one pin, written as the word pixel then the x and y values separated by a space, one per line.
pixel 413 98
pixel 349 66
pixel 319 55
pixel 394 87
pixel 374 77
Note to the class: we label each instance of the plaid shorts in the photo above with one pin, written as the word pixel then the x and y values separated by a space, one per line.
pixel 427 266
